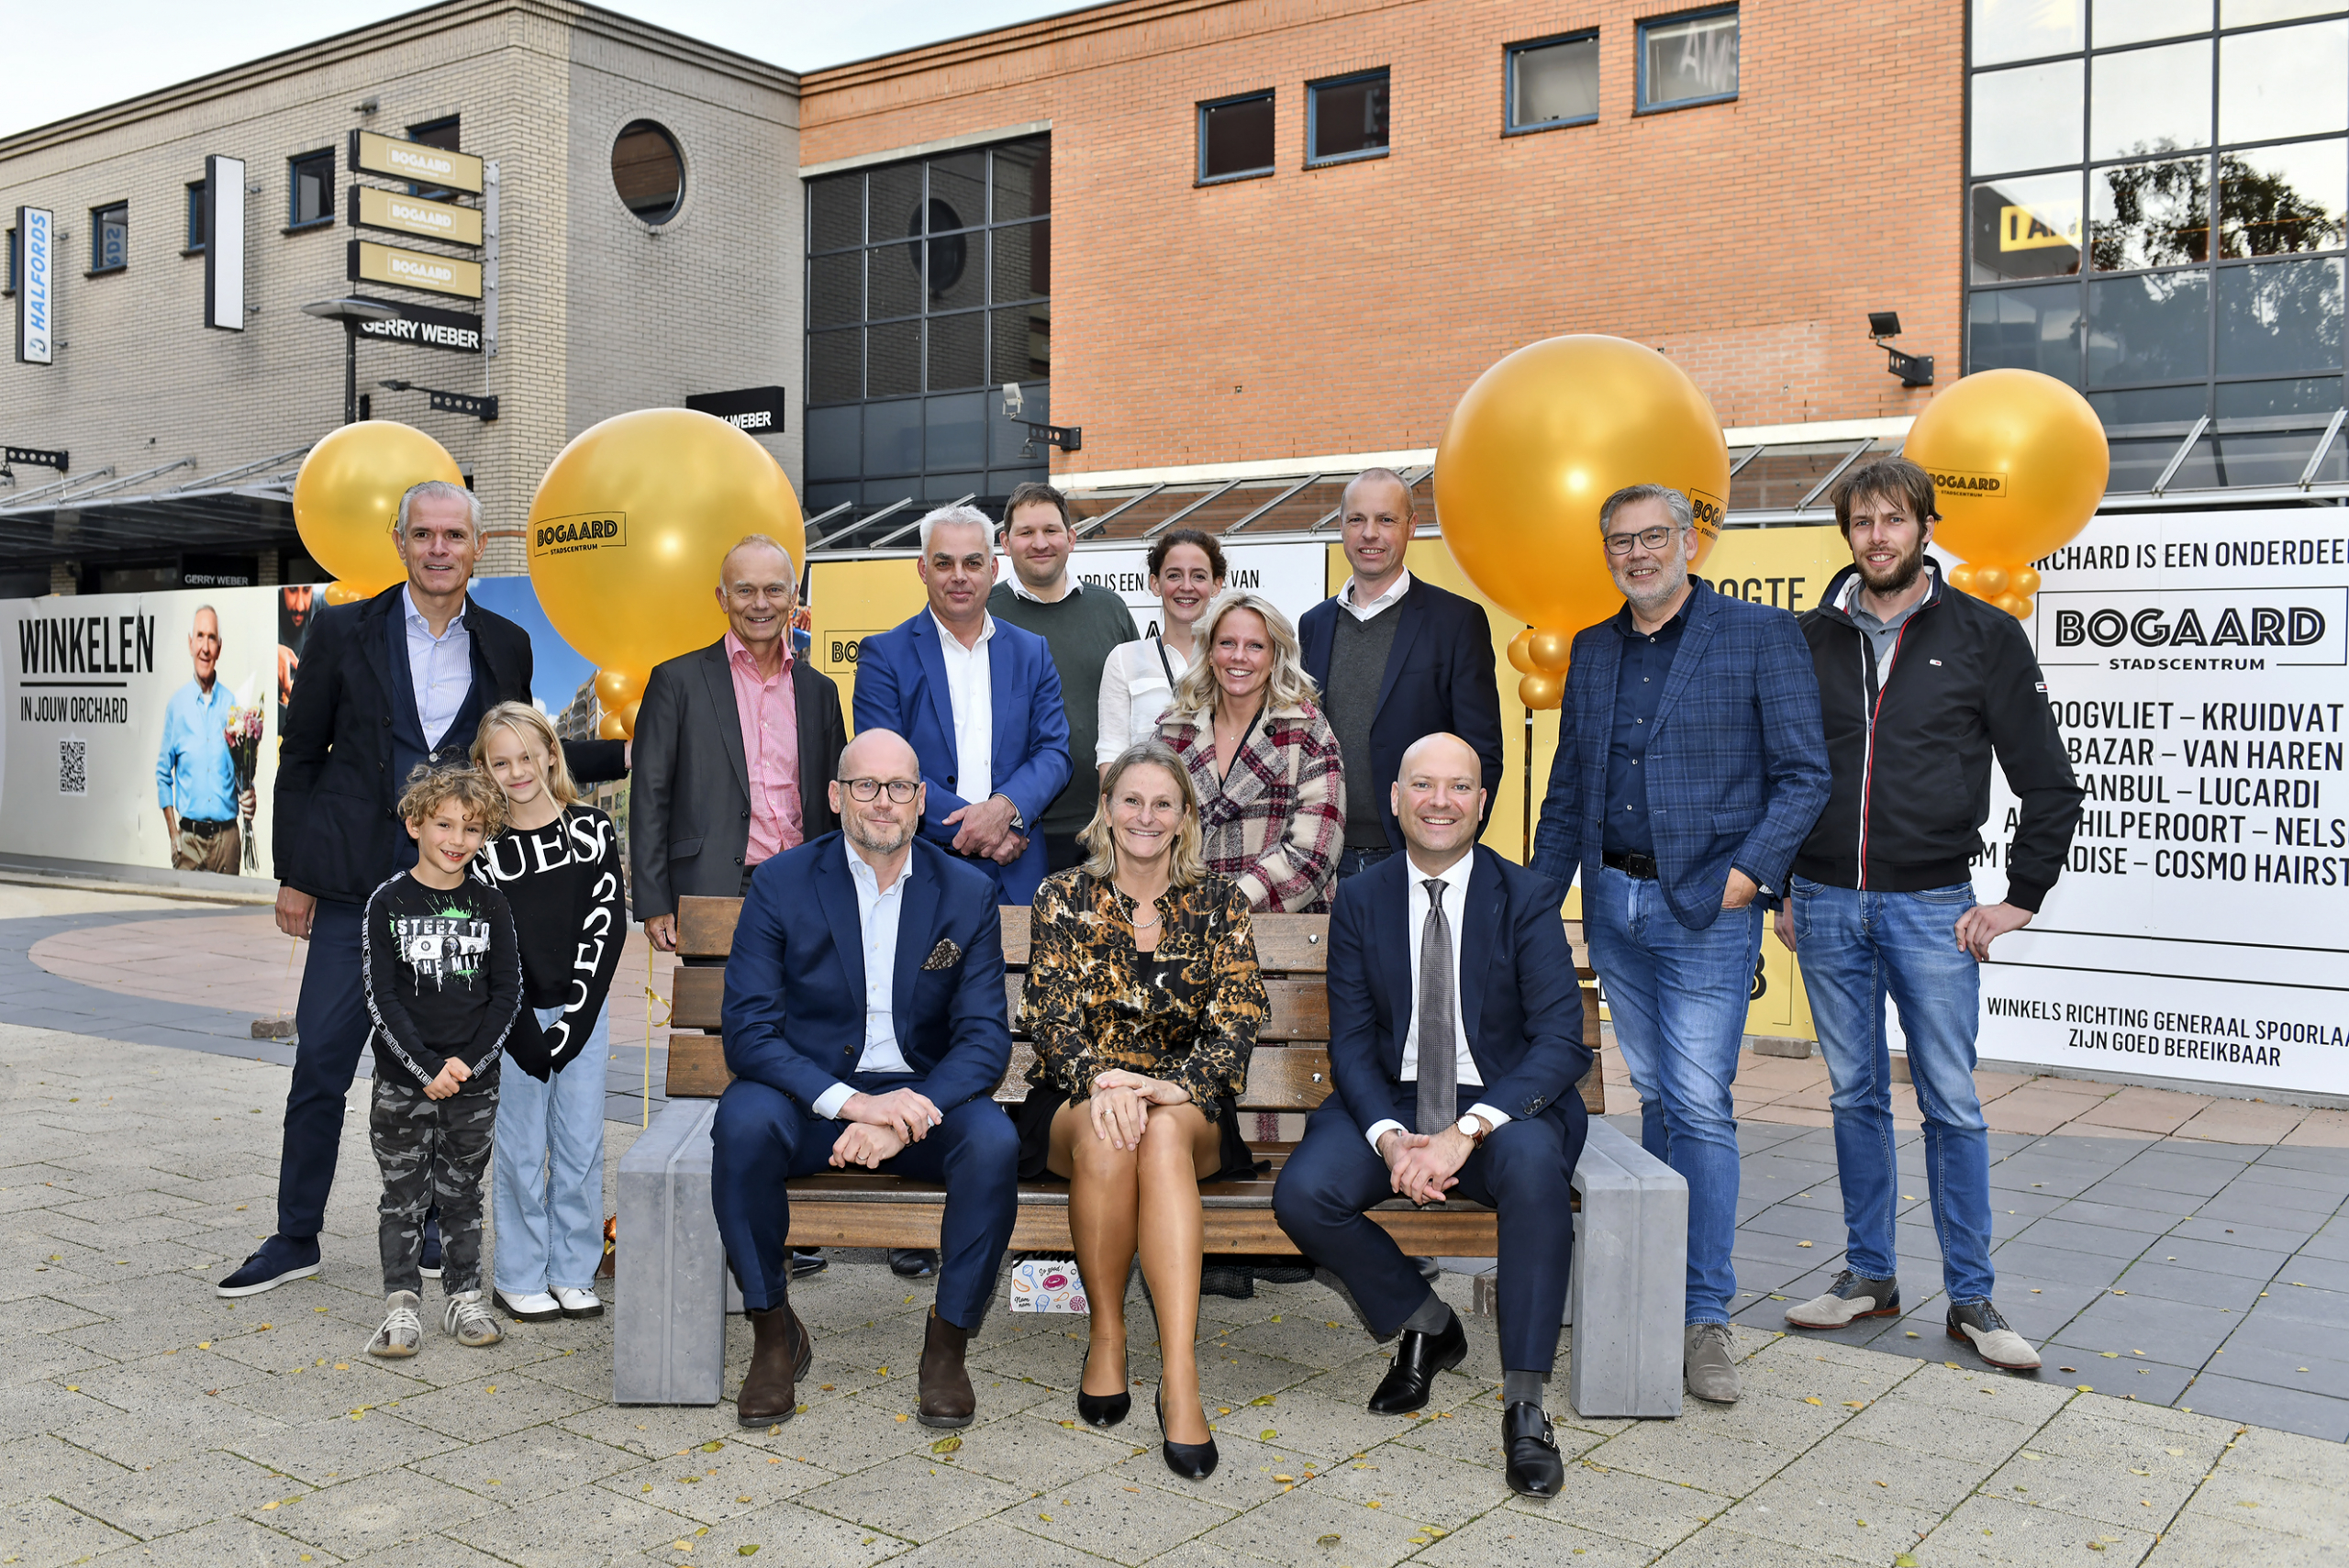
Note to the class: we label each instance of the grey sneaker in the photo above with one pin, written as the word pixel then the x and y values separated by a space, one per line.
pixel 401 1332
pixel 1850 1298
pixel 470 1321
pixel 1979 1325
pixel 1705 1363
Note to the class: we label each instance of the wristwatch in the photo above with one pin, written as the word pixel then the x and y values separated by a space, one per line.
pixel 1472 1127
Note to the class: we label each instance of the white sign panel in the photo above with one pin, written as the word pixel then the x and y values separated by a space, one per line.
pixel 36 286
pixel 2198 667
pixel 224 243
pixel 1294 577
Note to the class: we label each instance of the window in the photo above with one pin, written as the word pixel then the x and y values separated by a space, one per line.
pixel 647 171
pixel 310 189
pixel 1345 118
pixel 1688 59
pixel 435 133
pixel 1236 137
pixel 110 238
pixel 196 234
pixel 1553 82
pixel 2159 215
pixel 929 287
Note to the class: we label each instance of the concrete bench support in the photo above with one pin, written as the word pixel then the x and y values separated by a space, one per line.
pixel 1628 1294
pixel 669 1339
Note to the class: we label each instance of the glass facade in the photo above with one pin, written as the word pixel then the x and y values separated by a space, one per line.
pixel 2158 212
pixel 928 288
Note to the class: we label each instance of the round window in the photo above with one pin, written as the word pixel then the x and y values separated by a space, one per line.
pixel 648 171
pixel 949 253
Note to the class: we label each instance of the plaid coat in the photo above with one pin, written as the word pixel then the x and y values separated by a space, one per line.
pixel 1737 768
pixel 1276 826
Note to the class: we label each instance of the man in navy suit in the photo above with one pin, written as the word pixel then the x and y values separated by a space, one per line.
pixel 979 700
pixel 865 1026
pixel 1396 658
pixel 1691 763
pixel 1455 1044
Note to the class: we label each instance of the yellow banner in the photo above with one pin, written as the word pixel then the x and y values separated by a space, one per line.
pixel 413 215
pixel 374 154
pixel 371 263
pixel 2037 228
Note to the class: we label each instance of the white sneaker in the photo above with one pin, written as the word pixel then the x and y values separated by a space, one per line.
pixel 576 1303
pixel 470 1321
pixel 401 1332
pixel 537 1307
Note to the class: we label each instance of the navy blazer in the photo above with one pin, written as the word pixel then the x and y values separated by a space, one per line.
pixel 1439 678
pixel 1519 997
pixel 901 686
pixel 1736 766
pixel 794 982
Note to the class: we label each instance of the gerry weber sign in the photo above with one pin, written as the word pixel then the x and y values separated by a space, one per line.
pixel 36 285
pixel 758 409
pixel 426 327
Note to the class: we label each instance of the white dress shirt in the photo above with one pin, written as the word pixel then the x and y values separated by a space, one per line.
pixel 1456 904
pixel 876 915
pixel 971 692
pixel 1019 589
pixel 1135 694
pixel 441 668
pixel 1395 590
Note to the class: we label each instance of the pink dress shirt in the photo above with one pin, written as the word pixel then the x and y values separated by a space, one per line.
pixel 770 750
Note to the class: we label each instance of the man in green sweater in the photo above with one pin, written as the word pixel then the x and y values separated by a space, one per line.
pixel 1082 623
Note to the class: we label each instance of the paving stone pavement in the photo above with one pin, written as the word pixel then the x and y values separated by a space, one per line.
pixel 144 1421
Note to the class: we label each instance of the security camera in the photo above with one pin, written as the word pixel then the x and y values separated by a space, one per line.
pixel 1012 403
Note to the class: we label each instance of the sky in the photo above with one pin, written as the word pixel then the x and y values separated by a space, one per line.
pixel 119 49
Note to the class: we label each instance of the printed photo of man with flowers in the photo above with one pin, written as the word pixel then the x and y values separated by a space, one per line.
pixel 204 773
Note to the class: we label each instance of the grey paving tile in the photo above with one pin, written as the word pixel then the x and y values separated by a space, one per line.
pixel 2116 1217
pixel 181 1494
pixel 2265 1405
pixel 2026 1258
pixel 2097 1240
pixel 43 1532
pixel 2198 1539
pixel 1519 1537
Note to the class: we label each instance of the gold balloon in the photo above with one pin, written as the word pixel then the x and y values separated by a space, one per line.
pixel 1989 582
pixel 631 523
pixel 2015 604
pixel 611 726
pixel 1544 436
pixel 1542 691
pixel 615 687
pixel 2019 464
pixel 1521 658
pixel 348 594
pixel 1961 577
pixel 628 714
pixel 347 498
pixel 2026 583
pixel 1551 650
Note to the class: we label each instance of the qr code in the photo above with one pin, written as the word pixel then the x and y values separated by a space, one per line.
pixel 72 767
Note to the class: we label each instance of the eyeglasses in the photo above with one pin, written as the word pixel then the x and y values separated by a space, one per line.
pixel 901 791
pixel 1649 539
pixel 777 592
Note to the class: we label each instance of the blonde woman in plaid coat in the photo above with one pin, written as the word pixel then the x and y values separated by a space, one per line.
pixel 1265 762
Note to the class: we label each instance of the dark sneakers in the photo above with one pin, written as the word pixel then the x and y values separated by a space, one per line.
pixel 1979 1325
pixel 1848 1300
pixel 281 1258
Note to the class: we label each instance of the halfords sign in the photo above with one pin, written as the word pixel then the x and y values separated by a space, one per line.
pixel 425 327
pixel 36 286
pixel 441 166
pixel 373 263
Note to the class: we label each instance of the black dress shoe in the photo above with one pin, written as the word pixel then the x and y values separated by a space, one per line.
pixel 1418 1358
pixel 1192 1462
pixel 1535 1469
pixel 809 1260
pixel 913 1262
pixel 1101 1409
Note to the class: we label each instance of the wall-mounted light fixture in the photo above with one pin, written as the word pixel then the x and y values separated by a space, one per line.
pixel 1068 437
pixel 1914 370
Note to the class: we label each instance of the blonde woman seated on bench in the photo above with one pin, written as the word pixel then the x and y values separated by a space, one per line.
pixel 1144 1001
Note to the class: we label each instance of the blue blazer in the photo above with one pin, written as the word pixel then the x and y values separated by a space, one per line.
pixel 1519 997
pixel 1439 677
pixel 794 982
pixel 901 686
pixel 1736 766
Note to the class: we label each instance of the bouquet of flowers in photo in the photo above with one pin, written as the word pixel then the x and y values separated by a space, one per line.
pixel 243 732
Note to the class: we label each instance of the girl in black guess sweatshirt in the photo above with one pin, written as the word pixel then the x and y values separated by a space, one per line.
pixel 558 862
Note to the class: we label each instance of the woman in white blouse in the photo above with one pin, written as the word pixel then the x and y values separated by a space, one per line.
pixel 1138 682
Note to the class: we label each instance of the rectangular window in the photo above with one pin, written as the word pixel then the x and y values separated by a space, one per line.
pixel 1236 137
pixel 1553 82
pixel 110 238
pixel 1688 59
pixel 1345 118
pixel 195 230
pixel 310 189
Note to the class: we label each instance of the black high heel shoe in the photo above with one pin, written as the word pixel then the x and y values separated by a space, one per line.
pixel 1192 1462
pixel 1100 1409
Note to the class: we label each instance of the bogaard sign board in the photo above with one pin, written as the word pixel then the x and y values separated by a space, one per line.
pixel 373 263
pixel 373 208
pixel 36 286
pixel 430 166
pixel 2198 669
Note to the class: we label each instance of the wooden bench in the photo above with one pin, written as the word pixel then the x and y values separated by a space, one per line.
pixel 1619 1365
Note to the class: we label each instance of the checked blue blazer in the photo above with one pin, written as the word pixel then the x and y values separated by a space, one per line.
pixel 1736 767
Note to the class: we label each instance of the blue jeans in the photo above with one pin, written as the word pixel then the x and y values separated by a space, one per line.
pixel 1354 860
pixel 1856 949
pixel 549 1194
pixel 1677 999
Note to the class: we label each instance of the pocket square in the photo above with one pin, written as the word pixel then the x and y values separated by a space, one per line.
pixel 945 955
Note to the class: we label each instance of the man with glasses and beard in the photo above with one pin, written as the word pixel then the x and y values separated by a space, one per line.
pixel 1690 768
pixel 1919 686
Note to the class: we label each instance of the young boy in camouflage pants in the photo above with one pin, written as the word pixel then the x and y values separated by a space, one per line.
pixel 443 976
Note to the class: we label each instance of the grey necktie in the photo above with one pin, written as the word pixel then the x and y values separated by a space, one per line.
pixel 1437 1065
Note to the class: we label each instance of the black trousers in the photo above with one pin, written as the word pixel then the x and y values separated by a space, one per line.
pixel 1524 1169
pixel 331 1018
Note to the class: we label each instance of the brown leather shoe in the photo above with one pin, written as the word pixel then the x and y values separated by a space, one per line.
pixel 946 1396
pixel 779 1356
